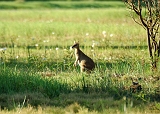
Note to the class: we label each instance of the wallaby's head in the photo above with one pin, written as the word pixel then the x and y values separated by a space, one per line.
pixel 76 45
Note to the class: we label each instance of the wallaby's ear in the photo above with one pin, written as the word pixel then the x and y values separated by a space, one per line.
pixel 76 42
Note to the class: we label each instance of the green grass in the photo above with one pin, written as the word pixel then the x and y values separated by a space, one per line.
pixel 36 62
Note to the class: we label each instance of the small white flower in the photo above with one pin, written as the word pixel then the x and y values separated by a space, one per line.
pixel 45 41
pixel 93 44
pixel 36 45
pixel 87 34
pixel 105 58
pixel 103 32
pixel 17 57
pixel 53 33
pixel 111 35
pixel 108 58
pixel 57 48
pixel 3 49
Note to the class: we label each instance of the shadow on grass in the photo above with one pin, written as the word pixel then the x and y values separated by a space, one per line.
pixel 93 101
pixel 82 46
pixel 60 5
pixel 90 101
pixel 18 85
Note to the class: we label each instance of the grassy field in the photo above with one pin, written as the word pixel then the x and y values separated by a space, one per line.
pixel 37 73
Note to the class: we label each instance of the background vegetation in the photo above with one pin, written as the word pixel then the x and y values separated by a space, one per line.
pixel 57 0
pixel 37 73
pixel 59 4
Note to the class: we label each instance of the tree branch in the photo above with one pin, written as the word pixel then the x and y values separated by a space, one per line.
pixel 156 31
pixel 155 22
pixel 137 21
pixel 140 14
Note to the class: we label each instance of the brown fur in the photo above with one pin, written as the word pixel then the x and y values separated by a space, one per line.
pixel 85 62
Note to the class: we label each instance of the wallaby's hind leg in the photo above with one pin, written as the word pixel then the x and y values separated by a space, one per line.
pixel 82 69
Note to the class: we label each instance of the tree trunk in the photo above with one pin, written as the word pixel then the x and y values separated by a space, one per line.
pixel 154 50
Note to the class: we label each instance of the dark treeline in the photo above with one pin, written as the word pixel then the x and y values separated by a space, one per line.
pixel 59 0
pixel 21 4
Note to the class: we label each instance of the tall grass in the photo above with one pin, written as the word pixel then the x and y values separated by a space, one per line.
pixel 18 82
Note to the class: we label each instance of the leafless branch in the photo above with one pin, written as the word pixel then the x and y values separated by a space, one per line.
pixel 137 21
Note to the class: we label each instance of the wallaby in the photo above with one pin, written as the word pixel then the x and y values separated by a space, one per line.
pixel 85 62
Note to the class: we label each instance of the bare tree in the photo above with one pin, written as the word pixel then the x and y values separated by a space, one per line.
pixel 148 12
